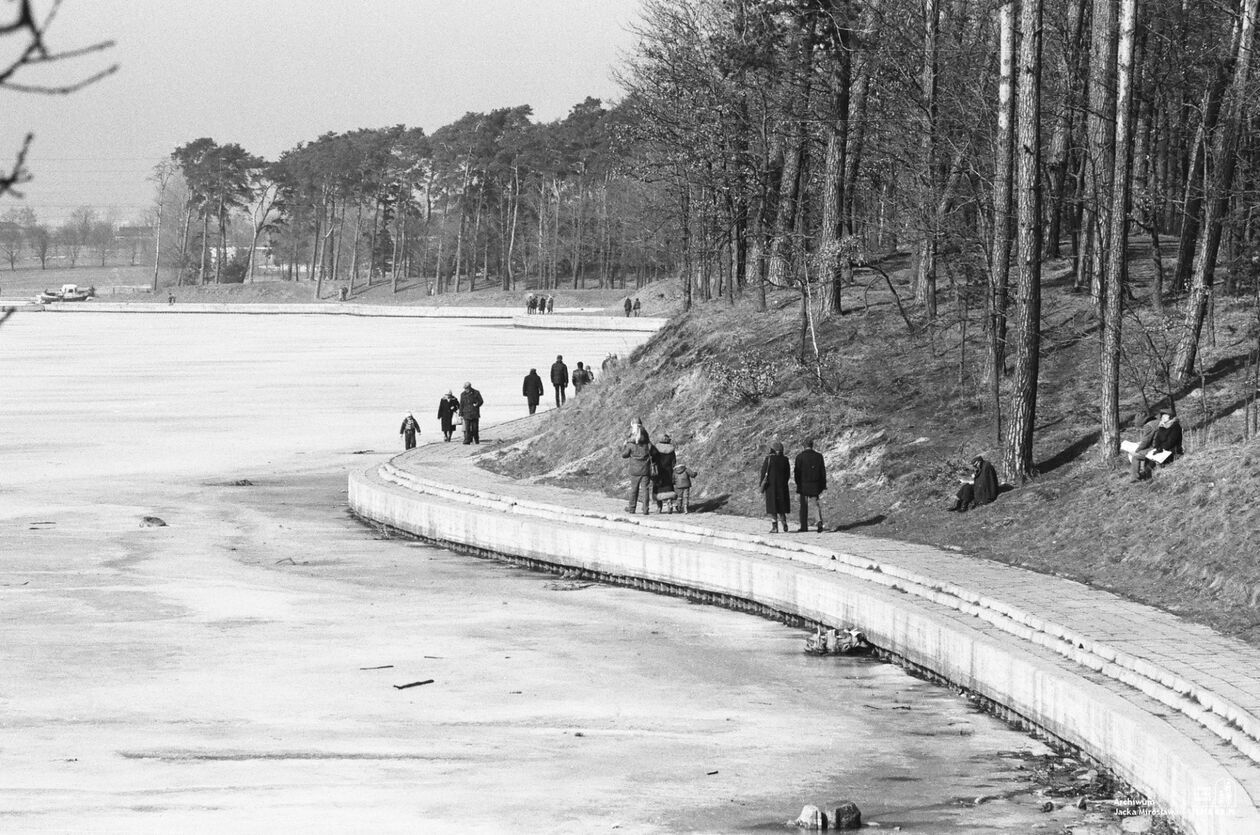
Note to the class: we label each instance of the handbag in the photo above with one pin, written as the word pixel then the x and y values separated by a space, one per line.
pixel 459 419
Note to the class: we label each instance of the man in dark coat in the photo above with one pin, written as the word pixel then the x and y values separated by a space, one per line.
pixel 629 306
pixel 776 471
pixel 981 488
pixel 532 389
pixel 410 428
pixel 636 307
pixel 560 379
pixel 470 403
pixel 811 481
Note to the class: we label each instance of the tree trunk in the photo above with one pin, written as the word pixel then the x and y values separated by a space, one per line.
pixel 793 161
pixel 1065 126
pixel 1192 204
pixel 837 132
pixel 1003 199
pixel 157 238
pixel 925 275
pixel 1109 403
pixel 1216 201
pixel 1018 460
pixel 1100 158
pixel 205 247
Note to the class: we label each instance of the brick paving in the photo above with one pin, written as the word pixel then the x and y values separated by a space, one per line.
pixel 1204 683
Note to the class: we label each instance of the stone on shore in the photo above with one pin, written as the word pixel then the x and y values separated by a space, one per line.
pixel 846 816
pixel 811 817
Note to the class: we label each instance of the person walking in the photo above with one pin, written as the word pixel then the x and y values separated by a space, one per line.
pixel 664 457
pixel 636 307
pixel 629 306
pixel 775 473
pixel 470 403
pixel 638 448
pixel 448 408
pixel 551 304
pixel 409 430
pixel 811 481
pixel 560 379
pixel 581 377
pixel 532 389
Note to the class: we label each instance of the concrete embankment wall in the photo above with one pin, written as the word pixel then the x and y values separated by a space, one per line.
pixel 578 322
pixel 961 643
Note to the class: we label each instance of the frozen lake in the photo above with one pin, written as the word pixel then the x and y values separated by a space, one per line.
pixel 235 670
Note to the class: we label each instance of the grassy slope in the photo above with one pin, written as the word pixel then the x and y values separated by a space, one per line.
pixel 898 426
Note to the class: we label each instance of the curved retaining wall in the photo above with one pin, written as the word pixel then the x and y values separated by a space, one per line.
pixel 927 627
pixel 578 322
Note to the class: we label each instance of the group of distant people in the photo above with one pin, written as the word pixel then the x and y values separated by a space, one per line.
pixel 560 379
pixel 540 304
pixel 655 473
pixel 632 306
pixel 465 411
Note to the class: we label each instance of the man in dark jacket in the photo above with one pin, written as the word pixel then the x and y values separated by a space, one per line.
pixel 811 481
pixel 532 389
pixel 629 305
pixel 470 403
pixel 560 379
pixel 410 428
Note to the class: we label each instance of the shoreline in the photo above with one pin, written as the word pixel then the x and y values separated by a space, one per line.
pixel 1030 670
pixel 564 319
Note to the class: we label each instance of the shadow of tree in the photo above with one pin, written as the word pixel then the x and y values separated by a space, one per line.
pixel 1069 454
pixel 710 504
pixel 863 523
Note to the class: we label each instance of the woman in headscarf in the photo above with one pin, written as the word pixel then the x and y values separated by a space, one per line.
pixel 776 471
pixel 448 408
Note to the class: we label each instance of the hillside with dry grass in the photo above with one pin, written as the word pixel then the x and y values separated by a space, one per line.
pixel 899 410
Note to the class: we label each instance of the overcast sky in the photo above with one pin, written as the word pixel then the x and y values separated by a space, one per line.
pixel 271 73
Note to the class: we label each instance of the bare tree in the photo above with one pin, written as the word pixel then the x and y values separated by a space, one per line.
pixel 29 30
pixel 1018 460
pixel 161 177
pixel 1116 267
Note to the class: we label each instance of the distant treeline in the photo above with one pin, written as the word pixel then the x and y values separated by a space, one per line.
pixel 493 195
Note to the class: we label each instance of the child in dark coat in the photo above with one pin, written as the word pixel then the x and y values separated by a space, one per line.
pixel 682 486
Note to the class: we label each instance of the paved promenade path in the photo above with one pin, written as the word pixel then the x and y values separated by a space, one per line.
pixel 1186 677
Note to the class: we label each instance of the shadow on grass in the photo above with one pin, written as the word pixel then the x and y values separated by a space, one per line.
pixel 863 523
pixel 710 504
pixel 1069 454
